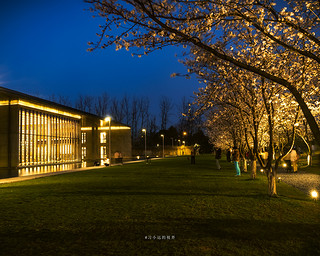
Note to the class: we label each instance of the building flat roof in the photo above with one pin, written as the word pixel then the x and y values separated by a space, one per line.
pixel 6 94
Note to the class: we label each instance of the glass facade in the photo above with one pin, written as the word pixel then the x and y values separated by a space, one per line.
pixel 46 139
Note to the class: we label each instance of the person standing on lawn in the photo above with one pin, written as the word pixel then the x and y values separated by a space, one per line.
pixel 193 156
pixel 218 156
pixel 236 159
pixel 229 155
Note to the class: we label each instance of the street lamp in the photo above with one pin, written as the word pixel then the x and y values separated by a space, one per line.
pixel 162 135
pixel 145 143
pixel 108 119
pixel 184 136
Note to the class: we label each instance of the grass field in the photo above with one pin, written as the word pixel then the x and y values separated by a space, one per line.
pixel 167 208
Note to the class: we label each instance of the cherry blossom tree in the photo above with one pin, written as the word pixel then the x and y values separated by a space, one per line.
pixel 259 112
pixel 224 29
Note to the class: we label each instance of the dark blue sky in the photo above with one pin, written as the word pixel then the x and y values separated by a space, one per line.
pixel 43 52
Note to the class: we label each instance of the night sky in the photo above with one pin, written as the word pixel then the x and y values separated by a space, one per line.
pixel 43 52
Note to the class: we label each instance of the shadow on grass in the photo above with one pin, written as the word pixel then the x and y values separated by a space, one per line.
pixel 129 191
pixel 93 238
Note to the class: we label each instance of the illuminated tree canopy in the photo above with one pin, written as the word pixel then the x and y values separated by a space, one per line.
pixel 276 40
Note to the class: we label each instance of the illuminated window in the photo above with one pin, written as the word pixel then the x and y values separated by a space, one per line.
pixel 84 152
pixel 103 137
pixel 103 152
pixel 83 137
pixel 45 139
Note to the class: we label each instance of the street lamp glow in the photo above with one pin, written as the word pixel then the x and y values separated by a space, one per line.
pixel 261 170
pixel 107 119
pixel 184 133
pixel 284 165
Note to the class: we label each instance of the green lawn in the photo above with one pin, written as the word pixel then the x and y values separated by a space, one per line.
pixel 315 168
pixel 119 210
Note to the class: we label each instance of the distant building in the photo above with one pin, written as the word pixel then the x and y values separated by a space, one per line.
pixel 39 136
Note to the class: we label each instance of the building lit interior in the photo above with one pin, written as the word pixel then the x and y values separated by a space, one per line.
pixel 39 136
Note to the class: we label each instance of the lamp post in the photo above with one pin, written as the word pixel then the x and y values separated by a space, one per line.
pixel 145 143
pixel 162 135
pixel 108 119
pixel 184 137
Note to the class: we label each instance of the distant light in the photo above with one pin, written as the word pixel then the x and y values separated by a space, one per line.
pixel 261 170
pixel 162 135
pixel 184 133
pixel 279 179
pixel 138 157
pixel 314 194
pixel 107 119
pixel 144 130
pixel 284 165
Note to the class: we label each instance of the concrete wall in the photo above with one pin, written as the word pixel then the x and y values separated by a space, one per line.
pixel 92 143
pixel 9 141
pixel 121 142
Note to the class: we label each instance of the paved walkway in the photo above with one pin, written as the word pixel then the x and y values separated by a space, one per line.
pixel 36 176
pixel 303 181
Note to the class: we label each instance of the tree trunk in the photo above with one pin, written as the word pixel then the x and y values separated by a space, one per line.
pixel 254 169
pixel 244 163
pixel 272 185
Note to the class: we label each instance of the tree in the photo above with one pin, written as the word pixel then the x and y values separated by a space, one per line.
pixel 116 110
pixel 165 109
pixel 189 120
pixel 101 105
pixel 247 111
pixel 215 27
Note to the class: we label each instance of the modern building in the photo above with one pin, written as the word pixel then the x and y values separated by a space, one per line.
pixel 38 136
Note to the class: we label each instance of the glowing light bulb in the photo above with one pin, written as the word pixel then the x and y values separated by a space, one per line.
pixel 314 194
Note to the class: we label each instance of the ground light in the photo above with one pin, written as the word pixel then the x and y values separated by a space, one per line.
pixel 314 194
